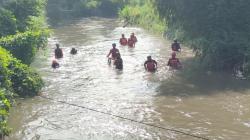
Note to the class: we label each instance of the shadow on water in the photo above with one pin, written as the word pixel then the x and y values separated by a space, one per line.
pixel 193 81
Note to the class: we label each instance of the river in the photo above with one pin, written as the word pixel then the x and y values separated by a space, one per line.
pixel 211 105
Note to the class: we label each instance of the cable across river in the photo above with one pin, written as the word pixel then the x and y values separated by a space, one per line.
pixel 124 118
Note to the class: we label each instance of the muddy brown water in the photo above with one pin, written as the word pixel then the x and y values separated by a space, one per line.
pixel 214 106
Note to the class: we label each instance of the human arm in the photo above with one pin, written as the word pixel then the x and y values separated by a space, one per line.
pixel 109 53
pixel 145 65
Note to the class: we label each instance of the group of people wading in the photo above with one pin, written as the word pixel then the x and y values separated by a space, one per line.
pixel 149 65
pixel 59 54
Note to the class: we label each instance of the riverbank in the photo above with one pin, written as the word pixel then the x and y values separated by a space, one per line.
pixel 23 31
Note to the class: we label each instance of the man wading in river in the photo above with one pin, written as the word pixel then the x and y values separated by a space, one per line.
pixel 150 65
pixel 176 46
pixel 113 52
pixel 58 52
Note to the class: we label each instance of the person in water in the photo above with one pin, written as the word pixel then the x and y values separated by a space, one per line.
pixel 55 64
pixel 58 52
pixel 150 65
pixel 133 37
pixel 174 62
pixel 113 52
pixel 73 51
pixel 123 40
pixel 118 62
pixel 132 40
pixel 176 46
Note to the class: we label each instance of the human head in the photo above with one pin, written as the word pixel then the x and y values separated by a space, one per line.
pixel 123 35
pixel 175 41
pixel 57 45
pixel 173 55
pixel 133 34
pixel 54 61
pixel 149 57
pixel 113 45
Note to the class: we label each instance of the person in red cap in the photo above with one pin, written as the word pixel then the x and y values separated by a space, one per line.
pixel 174 62
pixel 55 64
pixel 123 40
pixel 150 65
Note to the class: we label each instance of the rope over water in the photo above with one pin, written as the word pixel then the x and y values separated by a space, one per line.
pixel 124 118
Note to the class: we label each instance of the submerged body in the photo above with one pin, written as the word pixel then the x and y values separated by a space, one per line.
pixel 174 62
pixel 55 64
pixel 58 52
pixel 150 65
pixel 123 40
pixel 73 51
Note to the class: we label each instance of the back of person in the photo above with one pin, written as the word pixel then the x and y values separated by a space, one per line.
pixel 119 64
pixel 134 39
pixel 123 41
pixel 73 51
pixel 55 64
pixel 151 65
pixel 114 52
pixel 130 42
pixel 176 46
pixel 58 53
pixel 174 63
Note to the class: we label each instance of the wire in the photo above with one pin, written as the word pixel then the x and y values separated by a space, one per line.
pixel 124 118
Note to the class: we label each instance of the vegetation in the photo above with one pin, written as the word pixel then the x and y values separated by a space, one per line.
pixel 143 13
pixel 77 8
pixel 23 31
pixel 217 31
pixel 25 45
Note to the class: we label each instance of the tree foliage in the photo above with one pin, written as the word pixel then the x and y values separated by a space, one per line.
pixel 22 31
pixel 143 13
pixel 218 31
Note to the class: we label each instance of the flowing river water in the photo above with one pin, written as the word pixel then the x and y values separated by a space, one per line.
pixel 211 105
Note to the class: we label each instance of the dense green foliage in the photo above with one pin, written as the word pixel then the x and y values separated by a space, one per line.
pixel 22 31
pixel 143 13
pixel 4 112
pixel 218 31
pixel 23 28
pixel 24 45
pixel 15 78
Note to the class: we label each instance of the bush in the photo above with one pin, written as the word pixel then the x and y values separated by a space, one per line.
pixel 4 112
pixel 8 25
pixel 18 77
pixel 143 14
pixel 218 31
pixel 24 46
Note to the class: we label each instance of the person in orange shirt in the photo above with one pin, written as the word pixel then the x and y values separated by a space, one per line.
pixel 123 40
pixel 174 62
